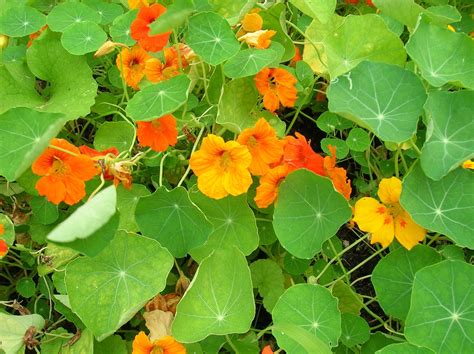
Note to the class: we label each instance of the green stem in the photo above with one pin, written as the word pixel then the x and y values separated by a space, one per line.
pixel 234 348
pixel 162 162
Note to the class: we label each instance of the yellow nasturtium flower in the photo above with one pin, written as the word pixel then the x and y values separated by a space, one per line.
pixel 388 219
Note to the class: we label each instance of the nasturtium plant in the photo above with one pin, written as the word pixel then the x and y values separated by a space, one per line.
pixel 236 176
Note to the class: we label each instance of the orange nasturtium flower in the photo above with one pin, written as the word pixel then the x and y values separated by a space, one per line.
pixel 252 22
pixel 164 345
pixel 3 244
pixel 100 155
pixel 221 167
pixel 131 64
pixel 64 171
pixel 299 154
pixel 140 30
pixel 267 191
pixel 259 39
pixel 267 350
pixel 264 146
pixel 469 164
pixel 35 35
pixel 158 133
pixel 338 175
pixel 277 87
pixel 387 219
pixel 157 71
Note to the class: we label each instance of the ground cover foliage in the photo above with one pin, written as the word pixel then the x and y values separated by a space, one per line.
pixel 238 176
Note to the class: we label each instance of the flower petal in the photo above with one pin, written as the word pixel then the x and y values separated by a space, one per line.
pixel 385 234
pixel 52 188
pixel 390 190
pixel 407 232
pixel 141 344
pixel 369 214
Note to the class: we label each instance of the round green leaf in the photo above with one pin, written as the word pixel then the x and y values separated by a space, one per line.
pixel 342 150
pixel 329 122
pixel 295 266
pixel 441 316
pixel 13 329
pixel 233 221
pixel 344 42
pixel 26 287
pixel 236 103
pixel 404 11
pixel 268 278
pixel 249 62
pixel 88 218
pixel 114 134
pixel 444 206
pixel 155 101
pixel 358 140
pixel 449 139
pixel 21 21
pixel 381 97
pixel 127 200
pixel 120 29
pixel 309 211
pixel 82 38
pixel 66 14
pixel 442 55
pixel 211 37
pixel 322 10
pixel 403 348
pixel 176 15
pixel 393 277
pixel 14 53
pixel 349 300
pixel 44 212
pixel 171 218
pixel 231 10
pixel 377 341
pixel 107 11
pixel 317 314
pixel 9 233
pixel 306 340
pixel 355 330
pixel 24 134
pixel 107 290
pixel 219 301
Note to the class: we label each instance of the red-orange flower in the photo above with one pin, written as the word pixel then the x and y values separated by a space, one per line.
pixel 299 154
pixel 338 175
pixel 64 171
pixel 35 35
pixel 267 350
pixel 221 167
pixel 140 30
pixel 259 39
pixel 97 155
pixel 297 57
pixel 264 146
pixel 157 71
pixel 159 133
pixel 131 64
pixel 267 191
pixel 277 87
pixel 164 345
pixel 3 244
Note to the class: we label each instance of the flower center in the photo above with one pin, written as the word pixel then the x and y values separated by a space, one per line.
pixel 226 160
pixel 58 168
pixel 252 142
pixel 156 123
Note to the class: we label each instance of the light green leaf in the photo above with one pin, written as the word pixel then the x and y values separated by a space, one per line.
pixel 59 256
pixel 21 21
pixel 127 200
pixel 232 10
pixel 443 15
pixel 155 101
pixel 348 300
pixel 403 348
pixel 317 315
pixel 24 134
pixel 249 62
pixel 329 122
pixel 274 19
pixel 449 139
pixel 322 9
pixel 233 221
pixel 113 344
pixel 355 330
pixel 237 102
pixel 211 37
pixel 377 341
pixel 82 38
pixel 441 55
pixel 88 218
pixel 66 14
pixel 107 290
pixel 309 211
pixel 441 316
pixel 13 53
pixel 120 29
pixel 268 278
pixel 171 218
pixel 342 150
pixel 443 206
pixel 358 140
pixel 219 300
pixel 176 14
pixel 308 342
pixel 114 134
pixel 404 11
pixel 71 92
pixel 381 97
pixel 107 11
pixel 9 233
pixel 344 42
pixel 13 330
pixel 394 274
